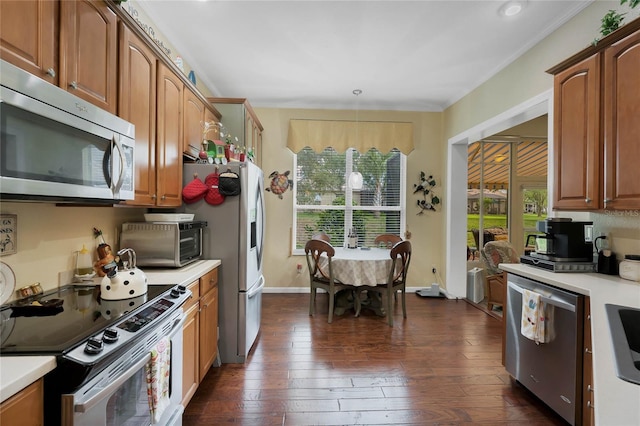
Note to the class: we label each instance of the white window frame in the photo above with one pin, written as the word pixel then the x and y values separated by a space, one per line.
pixel 348 204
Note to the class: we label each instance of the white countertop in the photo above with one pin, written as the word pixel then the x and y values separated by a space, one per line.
pixel 616 402
pixel 18 372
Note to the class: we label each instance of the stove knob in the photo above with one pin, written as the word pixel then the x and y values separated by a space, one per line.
pixel 182 289
pixel 175 293
pixel 94 346
pixel 110 335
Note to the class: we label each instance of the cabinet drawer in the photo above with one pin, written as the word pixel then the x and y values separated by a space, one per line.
pixel 195 295
pixel 208 281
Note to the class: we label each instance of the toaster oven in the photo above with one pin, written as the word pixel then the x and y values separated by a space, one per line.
pixel 164 244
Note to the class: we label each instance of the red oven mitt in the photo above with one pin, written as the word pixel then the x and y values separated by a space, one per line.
pixel 194 191
pixel 213 195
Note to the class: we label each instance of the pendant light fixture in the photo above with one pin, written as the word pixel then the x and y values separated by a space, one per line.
pixel 355 177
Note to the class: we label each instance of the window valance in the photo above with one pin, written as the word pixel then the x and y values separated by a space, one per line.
pixel 340 135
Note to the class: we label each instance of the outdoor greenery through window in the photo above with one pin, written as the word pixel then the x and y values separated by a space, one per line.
pixel 326 202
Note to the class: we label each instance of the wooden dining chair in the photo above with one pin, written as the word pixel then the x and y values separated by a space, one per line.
pixel 401 257
pixel 386 240
pixel 320 277
pixel 321 235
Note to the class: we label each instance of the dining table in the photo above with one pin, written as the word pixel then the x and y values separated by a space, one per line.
pixel 360 268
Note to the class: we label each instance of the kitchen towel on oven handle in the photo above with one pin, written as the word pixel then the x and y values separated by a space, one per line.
pixel 537 318
pixel 158 371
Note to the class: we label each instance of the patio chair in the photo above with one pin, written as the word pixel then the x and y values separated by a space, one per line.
pixel 494 253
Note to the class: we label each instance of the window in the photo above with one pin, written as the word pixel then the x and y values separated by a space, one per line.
pixel 324 201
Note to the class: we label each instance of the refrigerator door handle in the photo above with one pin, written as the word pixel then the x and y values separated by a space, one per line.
pixel 257 289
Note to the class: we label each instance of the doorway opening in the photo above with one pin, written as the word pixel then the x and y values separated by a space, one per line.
pixel 457 177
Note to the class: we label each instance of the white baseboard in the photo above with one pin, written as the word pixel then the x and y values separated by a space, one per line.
pixel 292 290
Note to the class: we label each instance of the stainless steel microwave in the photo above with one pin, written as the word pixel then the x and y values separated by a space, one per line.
pixel 57 147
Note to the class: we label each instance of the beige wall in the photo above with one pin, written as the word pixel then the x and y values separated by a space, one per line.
pixel 48 237
pixel 427 231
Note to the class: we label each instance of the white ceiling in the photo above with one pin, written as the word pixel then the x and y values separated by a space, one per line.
pixel 403 55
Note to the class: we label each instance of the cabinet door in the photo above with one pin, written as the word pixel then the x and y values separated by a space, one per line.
pixel 26 408
pixel 621 112
pixel 215 133
pixel 191 354
pixel 208 330
pixel 88 52
pixel 193 123
pixel 577 136
pixel 29 36
pixel 169 137
pixel 137 104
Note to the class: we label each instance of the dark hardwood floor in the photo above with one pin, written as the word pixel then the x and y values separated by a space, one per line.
pixel 442 365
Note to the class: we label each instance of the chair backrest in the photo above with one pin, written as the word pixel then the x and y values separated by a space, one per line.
pixel 401 256
pixel 496 252
pixel 386 240
pixel 313 250
pixel 321 236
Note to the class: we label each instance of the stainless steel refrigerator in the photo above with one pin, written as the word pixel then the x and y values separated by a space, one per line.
pixel 235 235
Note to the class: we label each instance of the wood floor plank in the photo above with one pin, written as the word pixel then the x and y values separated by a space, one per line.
pixel 441 365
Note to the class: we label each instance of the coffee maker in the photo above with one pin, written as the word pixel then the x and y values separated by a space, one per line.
pixel 564 240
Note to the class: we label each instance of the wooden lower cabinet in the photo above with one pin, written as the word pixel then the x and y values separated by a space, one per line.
pixel 208 331
pixel 191 344
pixel 26 408
pixel 200 333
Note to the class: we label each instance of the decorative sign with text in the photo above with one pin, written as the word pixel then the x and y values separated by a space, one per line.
pixel 8 229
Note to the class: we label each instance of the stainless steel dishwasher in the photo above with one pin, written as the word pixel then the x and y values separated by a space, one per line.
pixel 553 370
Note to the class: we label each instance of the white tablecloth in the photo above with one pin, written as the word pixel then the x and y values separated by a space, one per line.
pixel 360 267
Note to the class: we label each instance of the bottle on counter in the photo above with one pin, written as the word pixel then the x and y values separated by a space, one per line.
pixel 352 239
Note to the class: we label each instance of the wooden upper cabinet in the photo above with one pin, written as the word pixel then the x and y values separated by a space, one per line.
pixel 29 36
pixel 169 138
pixel 240 120
pixel 621 124
pixel 137 104
pixel 577 136
pixel 88 52
pixel 193 122
pixel 208 117
pixel 596 109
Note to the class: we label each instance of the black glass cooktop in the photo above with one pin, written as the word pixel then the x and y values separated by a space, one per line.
pixel 66 317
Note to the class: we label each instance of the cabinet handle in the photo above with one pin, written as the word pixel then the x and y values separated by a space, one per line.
pixel 154 196
pixel 607 200
pixel 587 351
pixel 73 85
pixel 164 197
pixel 587 200
pixel 589 388
pixel 589 317
pixel 590 404
pixel 51 72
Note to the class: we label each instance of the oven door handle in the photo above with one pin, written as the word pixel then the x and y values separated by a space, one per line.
pixel 177 325
pixel 106 391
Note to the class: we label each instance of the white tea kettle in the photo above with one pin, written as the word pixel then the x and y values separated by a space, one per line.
pixel 125 284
